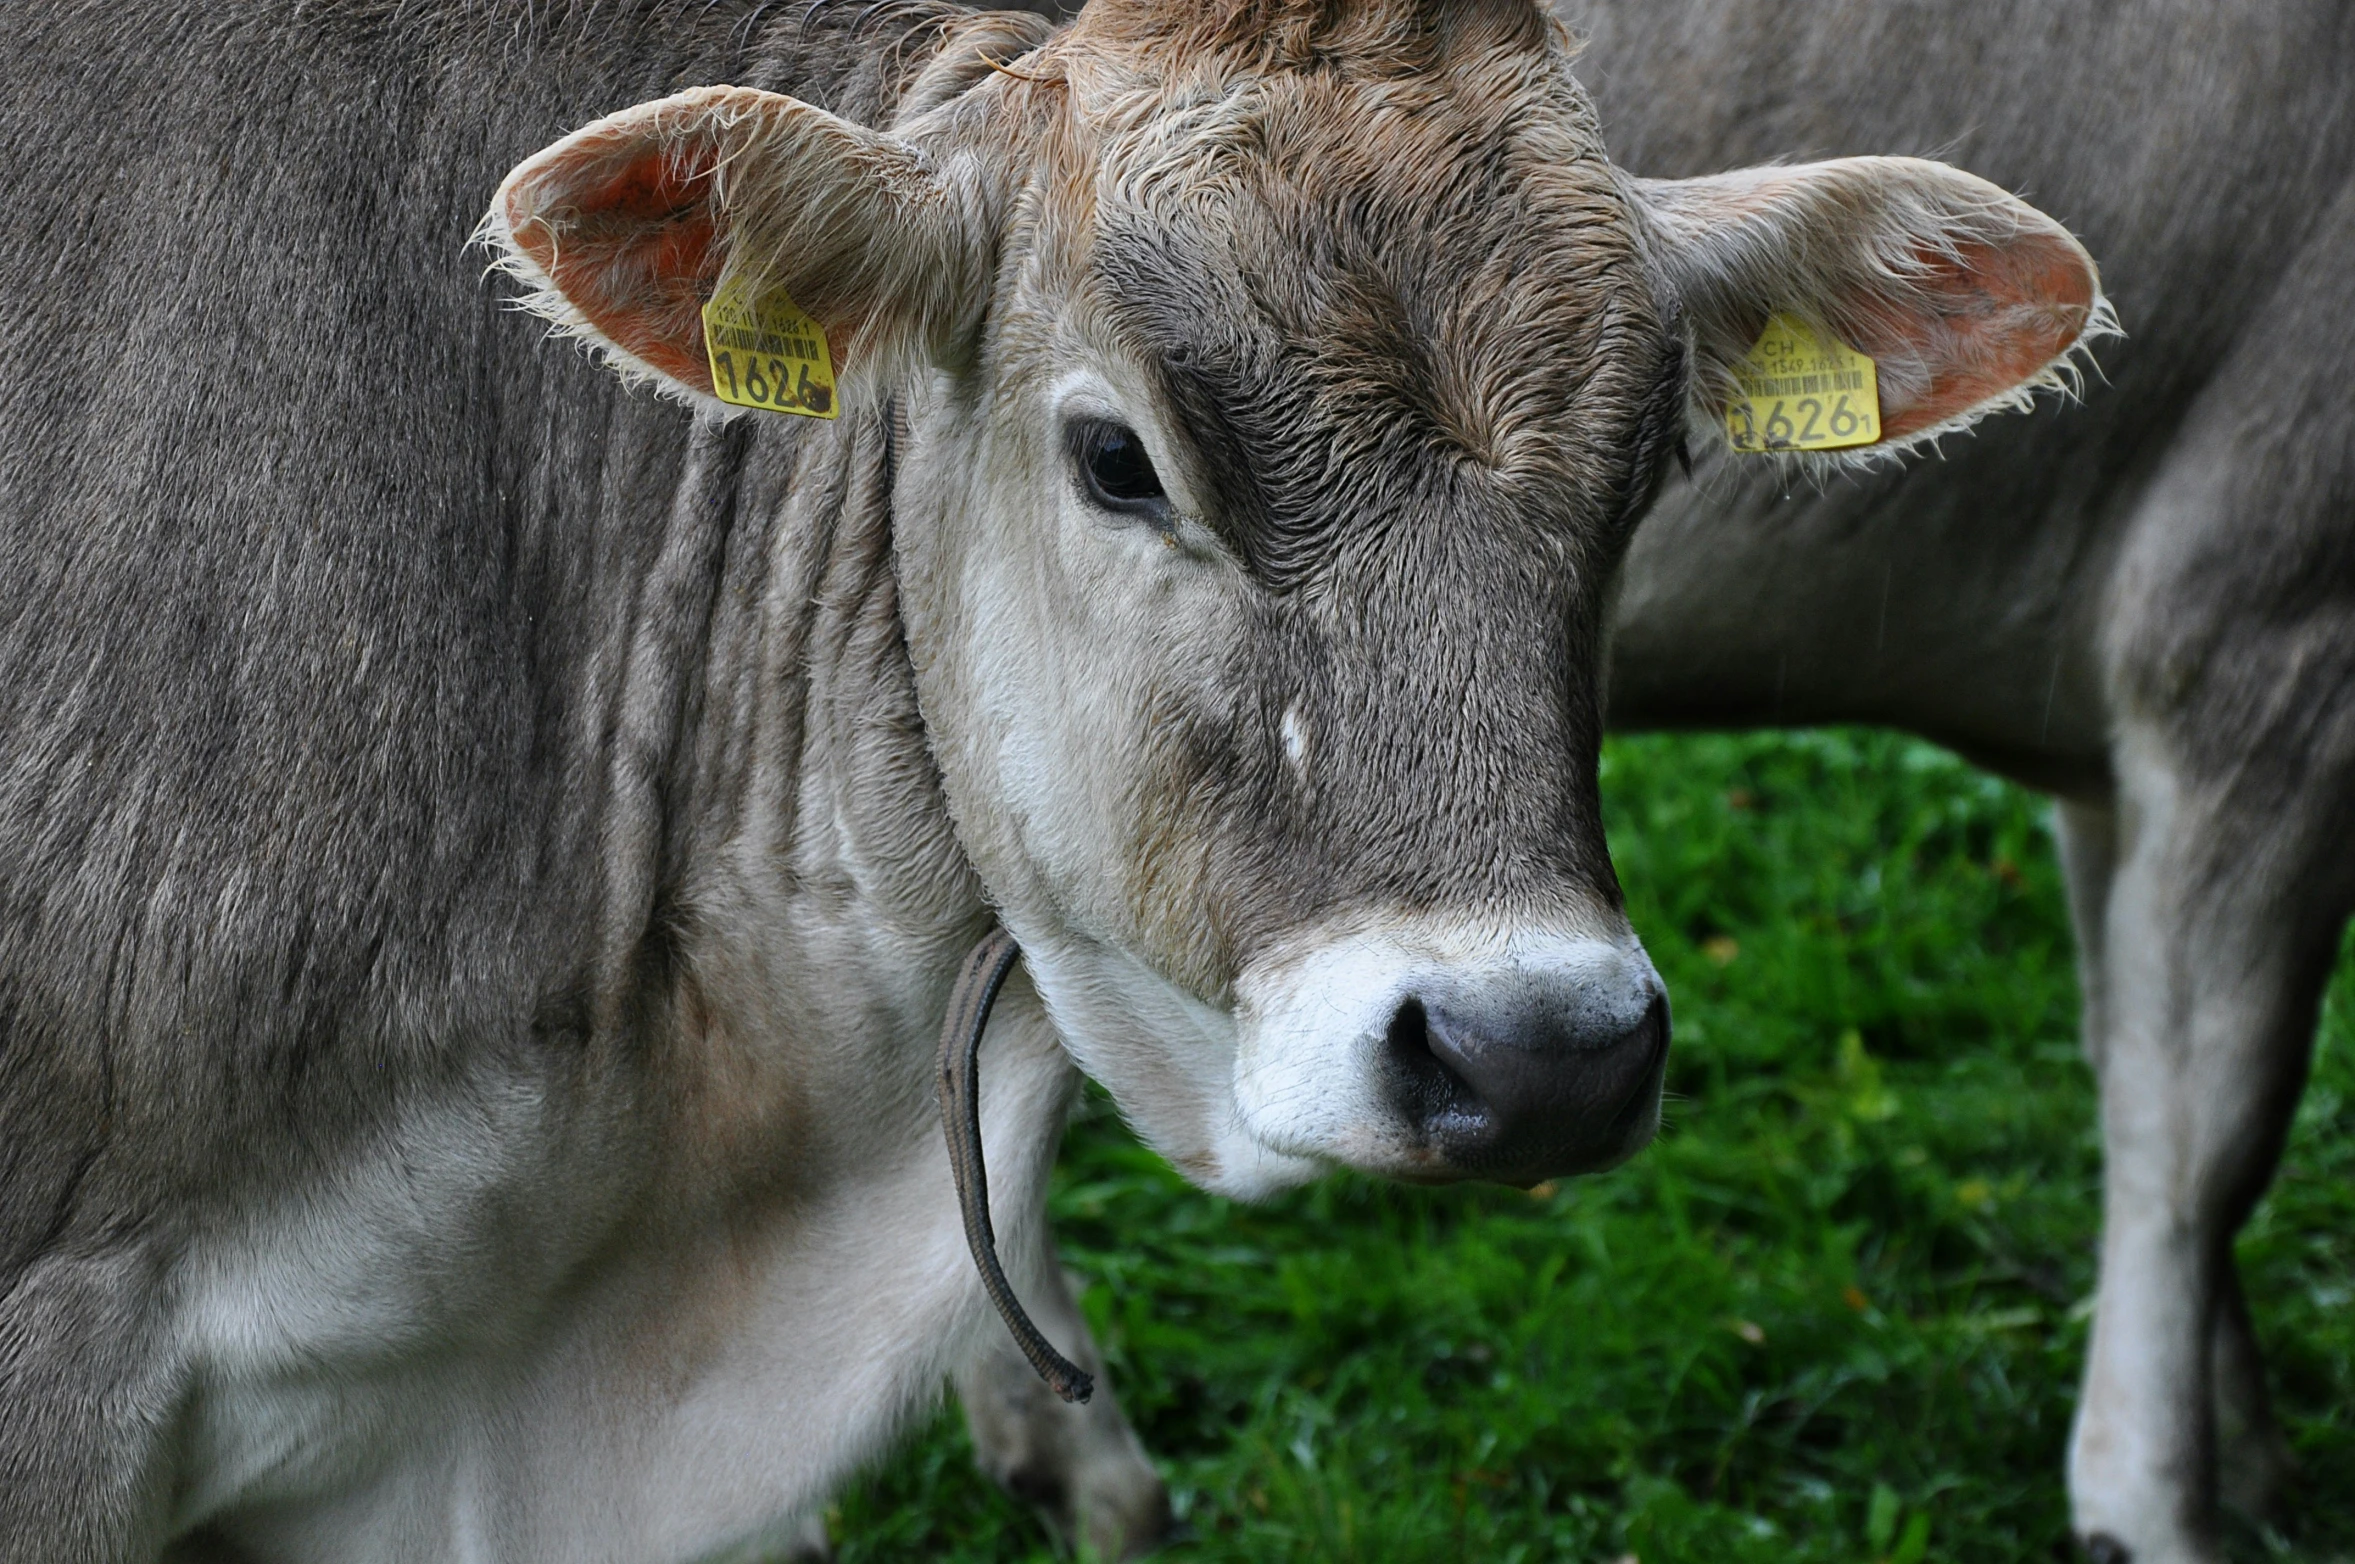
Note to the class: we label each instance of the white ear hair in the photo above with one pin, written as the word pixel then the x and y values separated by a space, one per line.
pixel 1968 299
pixel 622 230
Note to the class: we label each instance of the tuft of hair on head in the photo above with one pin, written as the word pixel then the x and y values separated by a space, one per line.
pixel 1275 35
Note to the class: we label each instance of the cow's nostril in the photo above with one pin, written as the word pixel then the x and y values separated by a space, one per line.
pixel 1427 1089
pixel 1410 1029
pixel 1654 1030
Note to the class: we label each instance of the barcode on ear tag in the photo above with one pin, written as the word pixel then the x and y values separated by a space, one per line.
pixel 766 354
pixel 1797 391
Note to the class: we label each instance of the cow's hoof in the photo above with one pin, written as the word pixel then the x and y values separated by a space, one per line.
pixel 2255 1474
pixel 807 1542
pixel 2102 1548
pixel 1113 1509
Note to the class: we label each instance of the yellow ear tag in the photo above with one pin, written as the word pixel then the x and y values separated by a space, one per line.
pixel 1797 391
pixel 766 353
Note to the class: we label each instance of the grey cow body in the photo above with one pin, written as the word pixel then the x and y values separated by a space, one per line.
pixel 2145 603
pixel 399 722
pixel 2206 159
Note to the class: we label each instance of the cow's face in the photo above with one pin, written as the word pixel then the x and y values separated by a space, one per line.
pixel 1279 382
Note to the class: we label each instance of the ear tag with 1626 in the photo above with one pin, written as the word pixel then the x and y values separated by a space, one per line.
pixel 1801 391
pixel 766 354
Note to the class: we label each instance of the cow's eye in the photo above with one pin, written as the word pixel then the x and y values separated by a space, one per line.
pixel 1118 473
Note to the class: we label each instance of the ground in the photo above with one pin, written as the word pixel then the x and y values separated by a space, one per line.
pixel 1835 1313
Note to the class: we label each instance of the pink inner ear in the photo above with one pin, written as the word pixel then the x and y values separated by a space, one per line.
pixel 629 240
pixel 1999 315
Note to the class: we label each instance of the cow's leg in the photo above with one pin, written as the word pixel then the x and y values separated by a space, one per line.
pixel 2253 1461
pixel 2212 954
pixel 2229 654
pixel 2089 864
pixel 1083 1466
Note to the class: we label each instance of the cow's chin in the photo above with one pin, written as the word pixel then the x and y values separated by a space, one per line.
pixel 1167 1058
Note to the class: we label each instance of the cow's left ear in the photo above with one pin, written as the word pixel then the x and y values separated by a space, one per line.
pixel 1965 297
pixel 624 230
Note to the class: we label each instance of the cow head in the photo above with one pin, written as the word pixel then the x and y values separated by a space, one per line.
pixel 1281 380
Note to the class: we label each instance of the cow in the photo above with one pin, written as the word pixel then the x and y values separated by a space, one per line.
pixel 2143 606
pixel 494 824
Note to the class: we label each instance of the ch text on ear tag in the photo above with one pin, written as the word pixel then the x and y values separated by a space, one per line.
pixel 1799 391
pixel 765 353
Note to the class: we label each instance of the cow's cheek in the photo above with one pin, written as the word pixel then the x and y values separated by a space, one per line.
pixel 1068 667
pixel 1166 1057
pixel 1017 633
pixel 962 609
pixel 1143 677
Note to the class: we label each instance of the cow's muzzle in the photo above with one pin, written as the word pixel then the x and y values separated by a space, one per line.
pixel 1432 1048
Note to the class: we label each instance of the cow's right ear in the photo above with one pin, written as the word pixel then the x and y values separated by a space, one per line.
pixel 622 231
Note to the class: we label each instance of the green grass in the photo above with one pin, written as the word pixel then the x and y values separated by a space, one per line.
pixel 1836 1313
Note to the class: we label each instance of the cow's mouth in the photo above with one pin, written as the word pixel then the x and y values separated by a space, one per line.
pixel 1543 1062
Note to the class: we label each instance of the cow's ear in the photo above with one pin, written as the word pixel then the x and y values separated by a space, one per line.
pixel 1965 298
pixel 624 230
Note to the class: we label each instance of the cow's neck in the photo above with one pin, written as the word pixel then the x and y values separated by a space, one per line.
pixel 736 1177
pixel 871 818
pixel 676 1165
pixel 800 916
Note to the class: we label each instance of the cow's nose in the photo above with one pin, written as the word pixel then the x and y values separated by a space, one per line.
pixel 1520 1089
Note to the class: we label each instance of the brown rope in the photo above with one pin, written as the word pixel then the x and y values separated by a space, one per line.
pixel 960 1112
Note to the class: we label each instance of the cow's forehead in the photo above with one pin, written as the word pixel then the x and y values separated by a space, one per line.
pixel 1322 385
pixel 1395 37
pixel 1363 292
pixel 1413 109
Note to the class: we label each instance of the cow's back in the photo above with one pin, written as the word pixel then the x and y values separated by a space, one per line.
pixel 2198 151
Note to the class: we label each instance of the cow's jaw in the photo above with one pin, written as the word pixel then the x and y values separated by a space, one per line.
pixel 1305 1072
pixel 1167 1057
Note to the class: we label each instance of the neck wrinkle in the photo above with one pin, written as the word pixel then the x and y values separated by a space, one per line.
pixel 818 796
pixel 645 753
